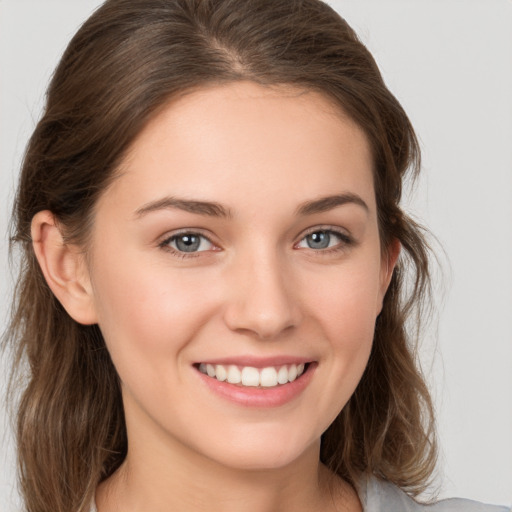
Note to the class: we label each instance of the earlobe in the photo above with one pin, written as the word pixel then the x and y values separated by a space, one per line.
pixel 63 266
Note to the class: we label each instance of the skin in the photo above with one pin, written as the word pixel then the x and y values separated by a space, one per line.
pixel 255 288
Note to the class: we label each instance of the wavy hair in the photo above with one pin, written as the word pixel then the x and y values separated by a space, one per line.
pixel 120 69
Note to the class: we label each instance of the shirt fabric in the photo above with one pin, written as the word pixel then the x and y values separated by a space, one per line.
pixel 380 496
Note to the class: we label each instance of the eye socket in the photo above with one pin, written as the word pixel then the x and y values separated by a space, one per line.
pixel 323 239
pixel 188 243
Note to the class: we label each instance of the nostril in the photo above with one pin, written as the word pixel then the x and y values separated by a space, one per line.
pixel 261 301
pixel 263 325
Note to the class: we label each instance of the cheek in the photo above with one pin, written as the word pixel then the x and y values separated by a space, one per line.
pixel 347 305
pixel 345 308
pixel 146 310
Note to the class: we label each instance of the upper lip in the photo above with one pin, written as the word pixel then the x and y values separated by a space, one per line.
pixel 256 361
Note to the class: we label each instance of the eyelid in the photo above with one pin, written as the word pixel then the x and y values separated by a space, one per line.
pixel 346 238
pixel 328 228
pixel 164 241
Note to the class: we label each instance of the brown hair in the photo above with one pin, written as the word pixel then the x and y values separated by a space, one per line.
pixel 121 67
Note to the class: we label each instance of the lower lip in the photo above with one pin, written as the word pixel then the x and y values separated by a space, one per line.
pixel 260 396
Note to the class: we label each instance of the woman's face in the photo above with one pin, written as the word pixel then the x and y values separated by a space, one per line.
pixel 240 238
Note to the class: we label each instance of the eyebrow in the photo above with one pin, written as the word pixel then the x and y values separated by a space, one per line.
pixel 327 203
pixel 209 208
pixel 214 209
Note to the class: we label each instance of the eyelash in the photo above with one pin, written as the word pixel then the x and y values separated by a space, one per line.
pixel 346 242
pixel 164 244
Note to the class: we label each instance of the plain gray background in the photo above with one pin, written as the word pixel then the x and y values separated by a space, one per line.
pixel 450 64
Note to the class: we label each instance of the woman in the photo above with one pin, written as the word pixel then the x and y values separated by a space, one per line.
pixel 212 302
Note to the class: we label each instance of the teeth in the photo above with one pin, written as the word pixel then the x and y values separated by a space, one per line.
pixel 221 373
pixel 234 375
pixel 210 370
pixel 253 377
pixel 268 377
pixel 250 376
pixel 282 375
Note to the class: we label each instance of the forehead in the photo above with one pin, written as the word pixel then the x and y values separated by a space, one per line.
pixel 248 144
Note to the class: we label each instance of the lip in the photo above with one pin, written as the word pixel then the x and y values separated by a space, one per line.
pixel 257 362
pixel 256 396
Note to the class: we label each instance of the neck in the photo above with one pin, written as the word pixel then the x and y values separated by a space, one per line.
pixel 160 480
pixel 161 472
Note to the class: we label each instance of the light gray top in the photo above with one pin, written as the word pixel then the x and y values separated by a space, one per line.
pixel 379 496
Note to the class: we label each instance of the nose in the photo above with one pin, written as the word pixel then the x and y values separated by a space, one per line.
pixel 262 297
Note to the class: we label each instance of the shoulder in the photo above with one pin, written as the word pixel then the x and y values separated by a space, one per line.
pixel 380 496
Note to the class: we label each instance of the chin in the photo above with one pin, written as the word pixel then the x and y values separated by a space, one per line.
pixel 263 451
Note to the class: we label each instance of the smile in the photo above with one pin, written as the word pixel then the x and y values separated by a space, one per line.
pixel 257 382
pixel 248 376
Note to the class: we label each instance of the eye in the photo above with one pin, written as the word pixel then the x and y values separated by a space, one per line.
pixel 323 239
pixel 188 243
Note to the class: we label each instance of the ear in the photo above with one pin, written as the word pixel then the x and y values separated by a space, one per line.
pixel 389 259
pixel 64 268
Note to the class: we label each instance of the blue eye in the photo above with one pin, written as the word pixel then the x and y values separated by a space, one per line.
pixel 188 242
pixel 323 239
